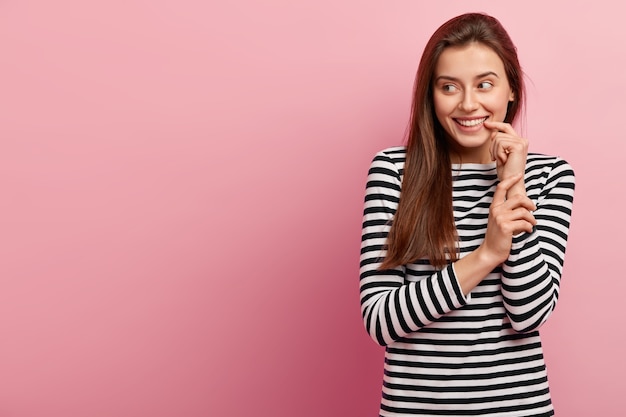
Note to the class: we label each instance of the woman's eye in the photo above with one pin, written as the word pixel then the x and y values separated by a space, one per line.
pixel 448 88
pixel 485 85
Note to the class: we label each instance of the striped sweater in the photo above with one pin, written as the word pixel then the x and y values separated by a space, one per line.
pixel 477 355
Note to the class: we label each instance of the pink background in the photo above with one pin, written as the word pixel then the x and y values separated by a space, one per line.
pixel 182 188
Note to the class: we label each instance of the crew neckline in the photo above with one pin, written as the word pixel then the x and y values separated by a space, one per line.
pixel 486 167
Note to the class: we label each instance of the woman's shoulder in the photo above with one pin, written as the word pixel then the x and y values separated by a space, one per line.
pixel 393 151
pixel 394 154
pixel 547 174
pixel 389 163
pixel 542 162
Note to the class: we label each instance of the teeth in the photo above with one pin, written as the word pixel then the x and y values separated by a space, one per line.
pixel 470 123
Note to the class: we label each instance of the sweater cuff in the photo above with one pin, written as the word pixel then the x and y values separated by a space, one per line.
pixel 521 239
pixel 455 288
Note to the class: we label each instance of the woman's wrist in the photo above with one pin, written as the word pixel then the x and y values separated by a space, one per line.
pixel 517 189
pixel 488 257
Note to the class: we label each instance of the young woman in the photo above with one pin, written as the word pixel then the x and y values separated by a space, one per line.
pixel 464 238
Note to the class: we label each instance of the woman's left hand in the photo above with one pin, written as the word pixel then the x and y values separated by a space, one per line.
pixel 509 151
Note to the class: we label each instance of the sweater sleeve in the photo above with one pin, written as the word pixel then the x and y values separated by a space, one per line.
pixel 392 307
pixel 531 275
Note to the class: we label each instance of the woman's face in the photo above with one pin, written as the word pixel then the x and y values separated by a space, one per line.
pixel 469 87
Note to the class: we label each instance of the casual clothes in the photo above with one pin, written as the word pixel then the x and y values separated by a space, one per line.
pixel 477 355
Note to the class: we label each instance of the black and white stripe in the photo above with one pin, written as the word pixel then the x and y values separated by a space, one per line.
pixel 453 355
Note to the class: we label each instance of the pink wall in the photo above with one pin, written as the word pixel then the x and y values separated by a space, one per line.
pixel 182 187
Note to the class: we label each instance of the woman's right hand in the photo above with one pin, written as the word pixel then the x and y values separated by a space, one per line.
pixel 507 217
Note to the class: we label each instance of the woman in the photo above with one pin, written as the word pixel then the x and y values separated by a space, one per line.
pixel 464 237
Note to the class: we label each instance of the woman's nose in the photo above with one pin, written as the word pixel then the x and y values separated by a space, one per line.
pixel 468 102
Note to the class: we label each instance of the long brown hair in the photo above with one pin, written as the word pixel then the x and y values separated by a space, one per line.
pixel 423 226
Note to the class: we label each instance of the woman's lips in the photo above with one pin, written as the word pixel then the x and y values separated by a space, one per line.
pixel 473 122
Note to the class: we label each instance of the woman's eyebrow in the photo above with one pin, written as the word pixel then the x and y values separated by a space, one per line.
pixel 449 78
